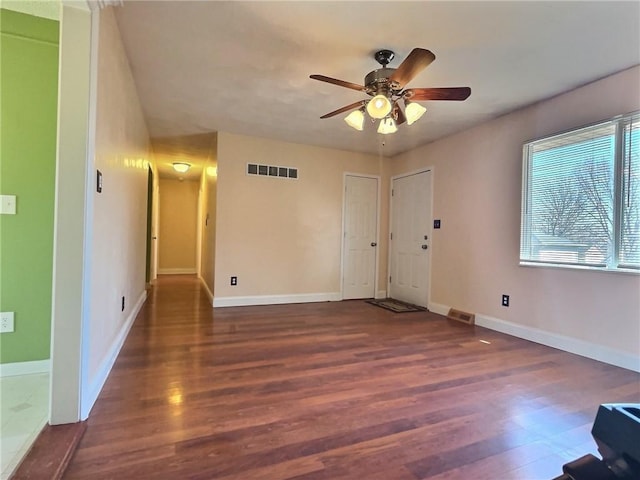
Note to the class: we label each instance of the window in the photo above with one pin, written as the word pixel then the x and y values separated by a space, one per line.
pixel 581 197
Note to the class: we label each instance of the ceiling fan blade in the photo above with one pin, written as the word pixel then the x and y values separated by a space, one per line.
pixel 340 83
pixel 344 109
pixel 398 115
pixel 418 60
pixel 450 93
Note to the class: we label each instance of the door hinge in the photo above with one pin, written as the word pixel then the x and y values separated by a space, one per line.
pixel 389 278
pixel 392 192
pixel 391 234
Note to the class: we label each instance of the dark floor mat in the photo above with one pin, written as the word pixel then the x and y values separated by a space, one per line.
pixel 395 306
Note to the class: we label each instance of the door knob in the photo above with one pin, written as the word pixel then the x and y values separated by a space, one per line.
pixel 374 244
pixel 424 247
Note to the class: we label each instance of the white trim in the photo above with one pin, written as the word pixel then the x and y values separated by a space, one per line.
pixel 562 342
pixel 177 271
pixel 411 173
pixel 25 368
pixel 199 221
pixel 206 289
pixel 438 308
pixel 89 212
pixel 378 210
pixel 74 132
pixel 381 294
pixel 94 386
pixel 276 299
pixel 554 340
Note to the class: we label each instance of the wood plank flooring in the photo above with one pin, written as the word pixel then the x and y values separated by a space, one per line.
pixel 341 390
pixel 51 452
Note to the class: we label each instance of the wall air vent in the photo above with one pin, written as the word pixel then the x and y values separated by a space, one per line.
pixel 460 316
pixel 271 171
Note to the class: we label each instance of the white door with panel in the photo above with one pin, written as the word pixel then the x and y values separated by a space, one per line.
pixel 410 238
pixel 360 237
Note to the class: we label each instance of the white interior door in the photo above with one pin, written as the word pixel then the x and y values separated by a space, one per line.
pixel 360 237
pixel 410 238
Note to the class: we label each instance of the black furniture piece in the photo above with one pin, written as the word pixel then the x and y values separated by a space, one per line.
pixel 616 431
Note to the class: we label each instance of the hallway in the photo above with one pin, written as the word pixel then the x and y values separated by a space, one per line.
pixel 339 390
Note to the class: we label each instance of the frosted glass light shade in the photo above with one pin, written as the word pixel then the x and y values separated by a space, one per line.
pixel 379 106
pixel 355 119
pixel 387 125
pixel 181 167
pixel 413 111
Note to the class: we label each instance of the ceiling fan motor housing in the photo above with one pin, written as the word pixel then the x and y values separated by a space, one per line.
pixel 378 81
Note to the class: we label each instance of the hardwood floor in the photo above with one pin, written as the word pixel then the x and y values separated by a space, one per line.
pixel 341 390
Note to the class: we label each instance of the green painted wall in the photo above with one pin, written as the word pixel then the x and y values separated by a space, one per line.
pixel 28 112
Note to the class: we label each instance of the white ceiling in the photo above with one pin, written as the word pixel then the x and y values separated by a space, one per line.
pixel 243 67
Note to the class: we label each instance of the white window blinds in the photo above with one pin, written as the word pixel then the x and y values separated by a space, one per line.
pixel 630 201
pixel 581 195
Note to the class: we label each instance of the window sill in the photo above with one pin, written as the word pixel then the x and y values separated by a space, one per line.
pixel 627 271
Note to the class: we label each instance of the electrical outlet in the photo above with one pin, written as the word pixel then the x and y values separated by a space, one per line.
pixel 505 300
pixel 6 322
pixel 234 281
pixel 122 307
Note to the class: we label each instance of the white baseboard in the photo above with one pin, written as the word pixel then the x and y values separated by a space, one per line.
pixel 554 340
pixel 276 299
pixel 381 294
pixel 207 289
pixel 94 387
pixel 562 342
pixel 438 308
pixel 25 368
pixel 177 271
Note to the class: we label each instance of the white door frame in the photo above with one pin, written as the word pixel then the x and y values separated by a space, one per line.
pixel 395 177
pixel 342 234
pixel 69 396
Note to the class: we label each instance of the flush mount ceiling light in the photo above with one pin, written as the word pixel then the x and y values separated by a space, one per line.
pixel 181 167
pixel 386 86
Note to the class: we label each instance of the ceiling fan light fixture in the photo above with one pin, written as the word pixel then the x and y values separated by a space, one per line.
pixel 413 111
pixel 379 106
pixel 181 167
pixel 356 119
pixel 387 125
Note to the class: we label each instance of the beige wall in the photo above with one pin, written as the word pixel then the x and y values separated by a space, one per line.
pixel 177 241
pixel 282 236
pixel 119 212
pixel 477 187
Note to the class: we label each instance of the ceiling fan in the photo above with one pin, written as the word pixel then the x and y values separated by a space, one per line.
pixel 387 87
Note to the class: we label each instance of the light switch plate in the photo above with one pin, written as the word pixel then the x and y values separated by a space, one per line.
pixel 7 204
pixel 6 322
